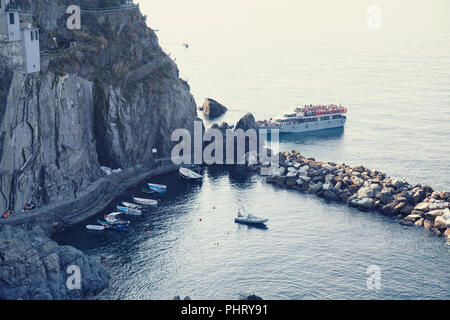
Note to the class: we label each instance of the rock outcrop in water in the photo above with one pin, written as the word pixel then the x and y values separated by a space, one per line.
pixel 366 190
pixel 212 109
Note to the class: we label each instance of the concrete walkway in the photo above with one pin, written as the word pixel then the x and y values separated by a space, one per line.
pixel 64 213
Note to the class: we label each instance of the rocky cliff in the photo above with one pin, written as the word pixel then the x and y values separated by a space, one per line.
pixel 106 95
pixel 107 100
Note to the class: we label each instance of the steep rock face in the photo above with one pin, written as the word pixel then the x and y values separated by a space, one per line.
pixel 48 147
pixel 107 101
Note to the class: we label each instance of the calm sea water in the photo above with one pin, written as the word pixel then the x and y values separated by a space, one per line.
pixel 265 57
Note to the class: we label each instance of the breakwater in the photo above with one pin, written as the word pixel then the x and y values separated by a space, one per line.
pixel 366 190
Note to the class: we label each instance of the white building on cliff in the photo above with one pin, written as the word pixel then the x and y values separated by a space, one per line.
pixel 15 26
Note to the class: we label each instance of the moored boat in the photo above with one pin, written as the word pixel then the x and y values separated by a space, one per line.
pixel 130 211
pixel 249 218
pixel 95 227
pixel 189 174
pixel 308 118
pixel 144 201
pixel 158 188
pixel 132 205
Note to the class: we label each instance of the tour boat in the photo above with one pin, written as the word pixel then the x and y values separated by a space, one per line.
pixel 308 118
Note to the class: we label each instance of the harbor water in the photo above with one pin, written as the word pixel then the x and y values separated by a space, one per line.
pixel 265 57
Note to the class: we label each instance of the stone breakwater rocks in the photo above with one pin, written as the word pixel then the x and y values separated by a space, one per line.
pixel 366 190
pixel 33 267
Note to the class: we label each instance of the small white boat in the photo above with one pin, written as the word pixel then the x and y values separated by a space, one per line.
pixel 144 201
pixel 189 174
pixel 249 219
pixel 95 227
pixel 132 205
pixel 130 211
pixel 112 218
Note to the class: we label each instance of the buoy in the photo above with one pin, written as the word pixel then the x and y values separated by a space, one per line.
pixel 200 219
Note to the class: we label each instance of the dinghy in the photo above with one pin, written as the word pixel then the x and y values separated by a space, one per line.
pixel 112 218
pixel 95 227
pixel 129 211
pixel 132 205
pixel 147 202
pixel 189 174
pixel 148 191
pixel 249 219
pixel 159 188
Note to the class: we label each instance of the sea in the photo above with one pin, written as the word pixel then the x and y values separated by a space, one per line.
pixel 388 63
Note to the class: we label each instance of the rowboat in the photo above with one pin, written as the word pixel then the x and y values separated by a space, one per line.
pixel 112 218
pixel 148 191
pixel 130 211
pixel 95 227
pixel 189 174
pixel 132 205
pixel 158 188
pixel 114 227
pixel 144 201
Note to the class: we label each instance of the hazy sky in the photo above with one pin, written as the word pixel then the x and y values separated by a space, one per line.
pixel 263 19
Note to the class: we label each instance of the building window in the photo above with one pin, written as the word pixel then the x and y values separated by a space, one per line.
pixel 36 35
pixel 11 18
pixel 32 35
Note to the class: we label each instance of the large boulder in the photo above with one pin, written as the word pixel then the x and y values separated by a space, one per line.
pixel 34 267
pixel 247 122
pixel 212 109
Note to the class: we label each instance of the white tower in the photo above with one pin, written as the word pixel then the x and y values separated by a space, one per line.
pixel 9 21
pixel 31 54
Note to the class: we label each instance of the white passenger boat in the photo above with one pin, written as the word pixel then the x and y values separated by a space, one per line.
pixel 144 201
pixel 308 118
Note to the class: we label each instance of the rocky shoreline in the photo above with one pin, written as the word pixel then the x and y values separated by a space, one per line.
pixel 32 266
pixel 365 189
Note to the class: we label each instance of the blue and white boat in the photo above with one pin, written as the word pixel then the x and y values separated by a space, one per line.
pixel 130 211
pixel 158 188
